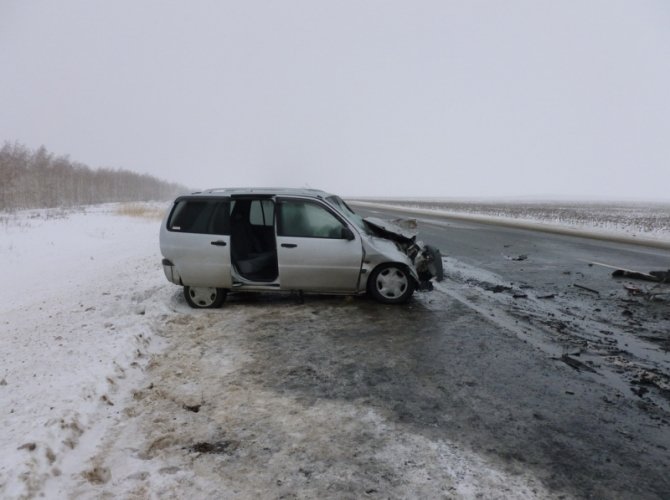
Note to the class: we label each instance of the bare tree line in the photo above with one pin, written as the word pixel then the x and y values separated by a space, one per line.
pixel 39 179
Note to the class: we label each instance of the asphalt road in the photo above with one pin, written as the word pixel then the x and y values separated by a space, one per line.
pixel 571 382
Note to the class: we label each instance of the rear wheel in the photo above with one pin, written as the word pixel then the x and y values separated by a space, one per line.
pixel 391 284
pixel 201 297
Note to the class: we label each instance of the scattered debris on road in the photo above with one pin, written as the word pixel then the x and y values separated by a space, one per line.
pixel 661 278
pixel 633 290
pixel 575 363
pixel 635 275
pixel 518 258
pixel 620 272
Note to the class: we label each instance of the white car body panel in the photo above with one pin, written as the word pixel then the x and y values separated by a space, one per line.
pixel 329 265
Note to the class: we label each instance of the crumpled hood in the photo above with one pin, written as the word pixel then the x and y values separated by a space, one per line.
pixel 403 229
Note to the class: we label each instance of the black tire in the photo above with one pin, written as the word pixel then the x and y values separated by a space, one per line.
pixel 391 284
pixel 200 297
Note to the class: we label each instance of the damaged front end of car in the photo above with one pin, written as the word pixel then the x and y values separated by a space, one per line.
pixel 426 259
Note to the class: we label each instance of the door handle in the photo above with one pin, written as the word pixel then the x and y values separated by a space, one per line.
pixel 219 243
pixel 289 245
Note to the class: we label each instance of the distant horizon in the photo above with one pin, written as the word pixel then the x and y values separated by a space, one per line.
pixel 527 198
pixel 538 198
pixel 511 198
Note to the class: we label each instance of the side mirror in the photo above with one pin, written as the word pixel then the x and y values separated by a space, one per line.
pixel 347 234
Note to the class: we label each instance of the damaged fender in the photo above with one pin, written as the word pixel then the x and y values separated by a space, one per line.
pixel 426 259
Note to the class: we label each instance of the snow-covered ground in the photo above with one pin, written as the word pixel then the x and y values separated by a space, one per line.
pixel 81 290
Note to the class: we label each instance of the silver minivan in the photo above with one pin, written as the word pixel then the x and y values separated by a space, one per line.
pixel 298 240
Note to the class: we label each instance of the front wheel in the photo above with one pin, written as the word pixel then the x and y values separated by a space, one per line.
pixel 200 297
pixel 391 284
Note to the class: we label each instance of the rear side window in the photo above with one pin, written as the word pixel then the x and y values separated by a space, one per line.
pixel 200 216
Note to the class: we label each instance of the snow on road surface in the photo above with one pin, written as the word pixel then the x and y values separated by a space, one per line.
pixel 105 370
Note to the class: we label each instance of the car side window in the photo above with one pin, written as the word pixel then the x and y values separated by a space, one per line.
pixel 220 220
pixel 262 213
pixel 307 220
pixel 200 216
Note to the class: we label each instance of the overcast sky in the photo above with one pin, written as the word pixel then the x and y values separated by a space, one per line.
pixel 431 98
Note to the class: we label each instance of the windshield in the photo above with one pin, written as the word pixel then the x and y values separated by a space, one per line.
pixel 346 210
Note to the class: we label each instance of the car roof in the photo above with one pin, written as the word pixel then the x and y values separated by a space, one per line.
pixel 312 193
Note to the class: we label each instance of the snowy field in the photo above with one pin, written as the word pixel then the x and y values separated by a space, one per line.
pixel 636 221
pixel 82 290
pixel 89 322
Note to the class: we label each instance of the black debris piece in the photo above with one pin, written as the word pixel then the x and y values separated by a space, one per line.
pixel 653 276
pixel 220 447
pixel 498 288
pixel 639 391
pixel 518 258
pixel 582 287
pixel 575 363
pixel 663 276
